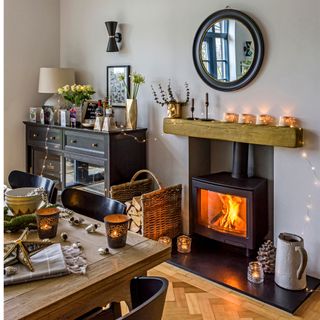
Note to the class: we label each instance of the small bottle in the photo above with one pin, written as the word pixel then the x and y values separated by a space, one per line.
pixel 99 110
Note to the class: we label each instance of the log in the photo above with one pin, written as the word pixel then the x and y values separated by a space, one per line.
pixel 136 202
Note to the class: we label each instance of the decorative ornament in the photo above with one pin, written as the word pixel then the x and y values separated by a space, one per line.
pixel 103 251
pixel 64 236
pixel 22 249
pixel 76 245
pixel 10 271
pixel 267 256
pixel 75 221
pixel 15 223
pixel 91 228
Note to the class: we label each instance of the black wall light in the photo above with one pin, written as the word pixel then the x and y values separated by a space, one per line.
pixel 114 36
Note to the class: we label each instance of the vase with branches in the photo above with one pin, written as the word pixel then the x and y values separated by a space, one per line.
pixel 168 98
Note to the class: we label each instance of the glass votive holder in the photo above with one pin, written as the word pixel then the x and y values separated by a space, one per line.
pixel 255 272
pixel 230 117
pixel 116 229
pixel 47 222
pixel 165 240
pixel 265 119
pixel 247 118
pixel 184 244
pixel 287 121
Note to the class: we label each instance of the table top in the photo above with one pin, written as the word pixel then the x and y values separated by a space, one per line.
pixel 52 298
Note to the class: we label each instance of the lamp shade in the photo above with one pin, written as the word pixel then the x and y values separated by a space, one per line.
pixel 50 79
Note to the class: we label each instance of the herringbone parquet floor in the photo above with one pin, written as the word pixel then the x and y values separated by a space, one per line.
pixel 191 297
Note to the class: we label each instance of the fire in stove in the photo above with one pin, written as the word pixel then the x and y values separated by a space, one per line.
pixel 225 212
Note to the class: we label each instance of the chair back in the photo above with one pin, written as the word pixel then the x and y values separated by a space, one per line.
pixel 148 297
pixel 20 179
pixel 90 204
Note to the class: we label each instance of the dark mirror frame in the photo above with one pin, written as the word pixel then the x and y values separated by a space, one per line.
pixel 258 45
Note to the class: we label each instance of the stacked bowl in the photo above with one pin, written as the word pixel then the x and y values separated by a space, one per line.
pixel 23 200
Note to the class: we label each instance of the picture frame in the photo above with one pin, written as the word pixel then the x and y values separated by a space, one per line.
pixel 116 90
pixel 89 110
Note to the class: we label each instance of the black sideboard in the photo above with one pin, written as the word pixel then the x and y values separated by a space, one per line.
pixel 79 156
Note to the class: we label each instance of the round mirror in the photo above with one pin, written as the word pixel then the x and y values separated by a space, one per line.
pixel 228 50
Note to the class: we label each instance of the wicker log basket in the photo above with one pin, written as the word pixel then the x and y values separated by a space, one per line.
pixel 161 208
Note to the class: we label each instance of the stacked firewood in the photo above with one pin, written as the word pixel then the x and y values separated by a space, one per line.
pixel 134 211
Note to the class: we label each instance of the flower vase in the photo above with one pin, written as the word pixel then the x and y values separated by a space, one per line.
pixel 132 113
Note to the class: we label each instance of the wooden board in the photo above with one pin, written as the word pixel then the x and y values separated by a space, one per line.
pixel 107 278
pixel 255 134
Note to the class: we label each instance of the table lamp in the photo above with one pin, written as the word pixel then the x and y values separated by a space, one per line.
pixel 50 79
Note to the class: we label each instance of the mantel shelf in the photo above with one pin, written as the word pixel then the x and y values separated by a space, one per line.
pixel 255 134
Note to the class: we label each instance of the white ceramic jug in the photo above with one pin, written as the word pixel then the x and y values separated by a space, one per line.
pixel 291 262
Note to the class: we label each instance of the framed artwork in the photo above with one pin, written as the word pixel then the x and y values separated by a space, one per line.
pixel 116 90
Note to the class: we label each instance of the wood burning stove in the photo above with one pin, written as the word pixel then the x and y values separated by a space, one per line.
pixel 230 207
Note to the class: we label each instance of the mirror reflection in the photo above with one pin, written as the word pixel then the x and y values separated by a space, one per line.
pixel 227 50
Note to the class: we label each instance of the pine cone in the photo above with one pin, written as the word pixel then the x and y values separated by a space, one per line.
pixel 267 256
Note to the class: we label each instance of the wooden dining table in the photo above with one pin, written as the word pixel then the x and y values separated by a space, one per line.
pixel 107 278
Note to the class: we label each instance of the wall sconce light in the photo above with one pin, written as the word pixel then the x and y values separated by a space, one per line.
pixel 114 36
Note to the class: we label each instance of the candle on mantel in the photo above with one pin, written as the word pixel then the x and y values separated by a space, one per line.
pixel 265 119
pixel 247 118
pixel 287 121
pixel 184 244
pixel 165 240
pixel 230 117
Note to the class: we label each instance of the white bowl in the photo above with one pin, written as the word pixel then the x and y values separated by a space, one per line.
pixel 19 203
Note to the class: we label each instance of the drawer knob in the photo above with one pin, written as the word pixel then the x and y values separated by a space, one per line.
pixel 94 145
pixel 35 135
pixel 52 138
pixel 73 141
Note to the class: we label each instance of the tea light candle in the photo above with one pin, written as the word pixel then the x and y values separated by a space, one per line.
pixel 287 121
pixel 184 244
pixel 165 240
pixel 47 222
pixel 230 117
pixel 116 229
pixel 255 272
pixel 247 118
pixel 265 119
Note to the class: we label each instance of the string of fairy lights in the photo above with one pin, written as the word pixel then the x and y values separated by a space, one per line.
pixel 46 152
pixel 316 182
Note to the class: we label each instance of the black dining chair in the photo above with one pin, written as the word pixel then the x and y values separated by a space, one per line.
pixel 90 204
pixel 20 179
pixel 148 297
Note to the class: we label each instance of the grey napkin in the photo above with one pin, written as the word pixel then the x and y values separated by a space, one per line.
pixel 47 263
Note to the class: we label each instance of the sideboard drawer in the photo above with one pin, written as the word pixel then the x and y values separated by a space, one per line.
pixel 37 137
pixel 86 143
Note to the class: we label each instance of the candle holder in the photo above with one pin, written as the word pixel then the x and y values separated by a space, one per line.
pixel 247 118
pixel 165 240
pixel 230 117
pixel 265 119
pixel 184 244
pixel 47 222
pixel 255 272
pixel 116 229
pixel 287 121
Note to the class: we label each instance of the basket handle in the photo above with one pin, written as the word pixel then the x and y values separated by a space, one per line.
pixel 151 174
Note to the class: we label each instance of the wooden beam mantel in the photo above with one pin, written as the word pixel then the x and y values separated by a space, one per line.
pixel 255 134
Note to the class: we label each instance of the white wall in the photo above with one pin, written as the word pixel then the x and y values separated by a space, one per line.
pixel 157 38
pixel 31 41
